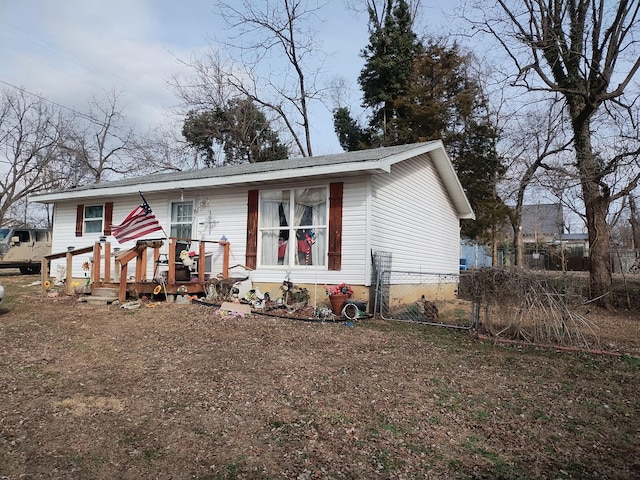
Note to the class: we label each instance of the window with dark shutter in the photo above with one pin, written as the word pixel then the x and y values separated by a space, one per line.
pixel 108 217
pixel 252 229
pixel 79 220
pixel 335 226
pixel 331 233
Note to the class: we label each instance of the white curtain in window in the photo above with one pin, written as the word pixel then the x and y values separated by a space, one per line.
pixel 270 227
pixel 284 228
pixel 318 250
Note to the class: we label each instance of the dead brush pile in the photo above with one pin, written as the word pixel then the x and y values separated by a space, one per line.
pixel 534 307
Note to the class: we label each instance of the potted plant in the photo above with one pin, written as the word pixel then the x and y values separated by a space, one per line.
pixel 338 295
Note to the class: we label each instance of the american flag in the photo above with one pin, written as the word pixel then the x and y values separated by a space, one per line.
pixel 141 221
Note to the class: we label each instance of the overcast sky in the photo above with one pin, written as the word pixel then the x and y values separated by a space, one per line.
pixel 69 50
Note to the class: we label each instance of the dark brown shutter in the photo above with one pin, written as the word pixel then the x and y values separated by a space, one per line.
pixel 335 226
pixel 252 229
pixel 79 220
pixel 108 217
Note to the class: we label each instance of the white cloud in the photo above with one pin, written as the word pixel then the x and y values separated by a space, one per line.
pixel 69 51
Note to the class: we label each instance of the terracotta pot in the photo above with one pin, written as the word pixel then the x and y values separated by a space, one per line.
pixel 337 302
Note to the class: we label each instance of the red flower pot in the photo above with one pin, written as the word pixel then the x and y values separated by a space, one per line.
pixel 337 302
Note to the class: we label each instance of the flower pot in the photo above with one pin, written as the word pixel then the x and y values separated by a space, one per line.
pixel 337 302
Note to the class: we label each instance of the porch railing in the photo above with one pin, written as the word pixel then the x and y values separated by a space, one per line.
pixel 101 265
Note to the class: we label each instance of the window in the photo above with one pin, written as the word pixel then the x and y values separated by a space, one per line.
pixel 89 219
pixel 181 219
pixel 23 236
pixel 93 216
pixel 293 227
pixel 42 236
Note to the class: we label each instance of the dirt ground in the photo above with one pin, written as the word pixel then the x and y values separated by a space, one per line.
pixel 181 392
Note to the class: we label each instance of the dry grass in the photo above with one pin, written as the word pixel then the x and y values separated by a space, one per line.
pixel 178 392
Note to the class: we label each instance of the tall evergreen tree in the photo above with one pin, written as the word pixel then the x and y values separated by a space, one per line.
pixel 389 57
pixel 350 135
pixel 479 168
pixel 438 99
pixel 442 100
pixel 240 129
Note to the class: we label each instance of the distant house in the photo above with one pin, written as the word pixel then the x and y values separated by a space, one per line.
pixel 542 223
pixel 315 220
pixel 547 244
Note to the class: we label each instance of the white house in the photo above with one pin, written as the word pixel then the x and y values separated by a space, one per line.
pixel 315 219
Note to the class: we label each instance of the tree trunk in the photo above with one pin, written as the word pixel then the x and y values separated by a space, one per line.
pixel 518 243
pixel 635 228
pixel 596 199
pixel 494 247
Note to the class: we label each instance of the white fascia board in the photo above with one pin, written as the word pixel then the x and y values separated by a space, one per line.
pixel 452 184
pixel 112 190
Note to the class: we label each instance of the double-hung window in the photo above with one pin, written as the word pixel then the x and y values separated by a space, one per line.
pixel 93 217
pixel 293 227
pixel 181 219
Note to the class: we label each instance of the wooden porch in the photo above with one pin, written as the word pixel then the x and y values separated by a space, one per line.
pixel 169 270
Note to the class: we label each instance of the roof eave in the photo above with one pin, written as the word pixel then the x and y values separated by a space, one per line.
pixel 372 167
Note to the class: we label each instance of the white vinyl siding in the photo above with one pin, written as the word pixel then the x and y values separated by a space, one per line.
pixel 414 219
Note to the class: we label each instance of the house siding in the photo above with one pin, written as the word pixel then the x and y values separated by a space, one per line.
pixel 222 212
pixel 420 240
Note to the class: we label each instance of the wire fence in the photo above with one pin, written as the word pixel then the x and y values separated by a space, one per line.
pixel 421 297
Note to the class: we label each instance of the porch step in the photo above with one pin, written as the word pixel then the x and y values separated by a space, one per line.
pixel 104 292
pixel 96 300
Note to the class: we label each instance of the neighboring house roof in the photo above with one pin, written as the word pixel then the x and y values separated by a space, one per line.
pixel 378 160
pixel 542 220
pixel 575 237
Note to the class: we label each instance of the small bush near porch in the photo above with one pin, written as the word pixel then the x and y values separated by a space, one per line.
pixel 178 391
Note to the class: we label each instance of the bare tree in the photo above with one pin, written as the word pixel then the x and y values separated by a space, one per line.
pixel 587 51
pixel 165 150
pixel 533 139
pixel 101 143
pixel 262 35
pixel 634 222
pixel 378 9
pixel 30 160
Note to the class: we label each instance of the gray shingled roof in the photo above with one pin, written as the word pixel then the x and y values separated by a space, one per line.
pixel 378 160
pixel 251 168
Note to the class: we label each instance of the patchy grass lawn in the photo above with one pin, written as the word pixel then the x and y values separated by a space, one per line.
pixel 177 392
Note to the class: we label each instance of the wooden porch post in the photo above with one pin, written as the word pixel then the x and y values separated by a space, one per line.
pixel 225 260
pixel 97 248
pixel 68 287
pixel 122 292
pixel 44 274
pixel 201 260
pixel 107 262
pixel 141 265
pixel 171 279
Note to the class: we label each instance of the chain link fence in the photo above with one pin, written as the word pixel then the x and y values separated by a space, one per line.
pixel 421 297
